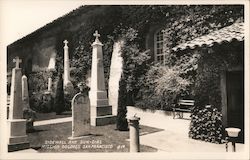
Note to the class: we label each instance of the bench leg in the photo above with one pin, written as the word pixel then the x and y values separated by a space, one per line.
pixel 181 115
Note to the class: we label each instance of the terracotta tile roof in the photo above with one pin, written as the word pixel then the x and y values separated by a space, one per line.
pixel 226 34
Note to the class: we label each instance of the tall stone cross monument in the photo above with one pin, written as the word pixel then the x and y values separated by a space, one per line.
pixel 66 80
pixel 17 138
pixel 101 111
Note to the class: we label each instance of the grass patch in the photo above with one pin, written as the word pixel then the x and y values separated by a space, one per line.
pixel 54 138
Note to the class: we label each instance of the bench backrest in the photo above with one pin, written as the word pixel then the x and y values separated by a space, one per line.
pixel 186 102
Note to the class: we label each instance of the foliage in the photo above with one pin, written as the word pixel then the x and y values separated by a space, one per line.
pixel 38 81
pixel 41 102
pixel 29 114
pixel 121 120
pixel 206 124
pixel 182 23
pixel 135 64
pixel 59 102
pixel 38 86
pixel 30 117
pixel 162 86
pixel 82 54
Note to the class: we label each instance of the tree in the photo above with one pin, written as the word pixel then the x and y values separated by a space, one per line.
pixel 121 121
pixel 59 103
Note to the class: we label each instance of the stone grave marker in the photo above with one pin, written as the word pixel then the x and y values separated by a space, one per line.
pixel 17 138
pixel 101 111
pixel 81 116
pixel 25 93
pixel 68 86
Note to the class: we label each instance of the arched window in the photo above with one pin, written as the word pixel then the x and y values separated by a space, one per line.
pixel 158 47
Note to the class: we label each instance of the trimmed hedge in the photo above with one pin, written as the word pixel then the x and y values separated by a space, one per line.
pixel 206 124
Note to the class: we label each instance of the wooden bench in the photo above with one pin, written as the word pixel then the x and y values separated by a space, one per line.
pixel 183 105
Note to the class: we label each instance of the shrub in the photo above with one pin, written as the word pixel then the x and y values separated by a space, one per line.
pixel 121 121
pixel 206 125
pixel 41 102
pixel 162 86
pixel 38 81
pixel 59 103
pixel 30 116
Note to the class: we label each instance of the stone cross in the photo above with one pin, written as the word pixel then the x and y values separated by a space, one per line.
pixel 17 61
pixel 96 35
pixel 65 42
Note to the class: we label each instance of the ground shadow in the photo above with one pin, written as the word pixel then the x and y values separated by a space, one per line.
pixel 36 130
pixel 65 113
pixel 36 148
pixel 95 135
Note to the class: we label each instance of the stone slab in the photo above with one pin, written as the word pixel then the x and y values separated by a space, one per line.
pixel 81 115
pixel 104 110
pixel 103 120
pixel 17 147
pixel 18 139
pixel 17 127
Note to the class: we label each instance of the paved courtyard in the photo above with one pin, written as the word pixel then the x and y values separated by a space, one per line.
pixel 174 138
pixel 171 138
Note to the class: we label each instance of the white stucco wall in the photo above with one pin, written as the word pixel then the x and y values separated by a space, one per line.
pixel 115 75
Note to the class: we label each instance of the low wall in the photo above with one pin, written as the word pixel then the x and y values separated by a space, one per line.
pixel 158 118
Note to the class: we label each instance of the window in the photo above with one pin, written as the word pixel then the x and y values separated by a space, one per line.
pixel 158 47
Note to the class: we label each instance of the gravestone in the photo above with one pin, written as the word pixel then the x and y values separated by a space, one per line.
pixel 81 115
pixel 52 62
pixel 101 111
pixel 25 93
pixel 28 113
pixel 49 84
pixel 17 138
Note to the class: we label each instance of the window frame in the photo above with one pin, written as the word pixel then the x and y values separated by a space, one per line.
pixel 156 55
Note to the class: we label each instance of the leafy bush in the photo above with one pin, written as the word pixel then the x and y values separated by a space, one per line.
pixel 41 102
pixel 206 124
pixel 30 117
pixel 162 86
pixel 121 120
pixel 59 103
pixel 38 81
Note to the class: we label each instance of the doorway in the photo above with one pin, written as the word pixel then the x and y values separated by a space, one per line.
pixel 235 101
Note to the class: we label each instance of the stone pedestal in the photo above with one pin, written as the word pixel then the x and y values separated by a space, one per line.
pixel 134 134
pixel 17 138
pixel 101 111
pixel 81 116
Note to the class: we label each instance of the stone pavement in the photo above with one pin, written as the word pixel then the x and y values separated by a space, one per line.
pixel 174 138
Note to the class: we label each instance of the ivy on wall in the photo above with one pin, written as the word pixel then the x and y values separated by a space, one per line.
pixel 132 23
